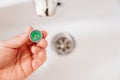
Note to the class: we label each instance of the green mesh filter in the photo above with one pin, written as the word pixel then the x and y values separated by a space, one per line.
pixel 35 36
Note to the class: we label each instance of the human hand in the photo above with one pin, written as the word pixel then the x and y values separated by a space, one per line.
pixel 19 57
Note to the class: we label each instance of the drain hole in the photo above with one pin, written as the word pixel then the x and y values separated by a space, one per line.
pixel 63 50
pixel 63 43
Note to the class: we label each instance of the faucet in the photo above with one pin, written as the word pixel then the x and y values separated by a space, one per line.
pixel 46 7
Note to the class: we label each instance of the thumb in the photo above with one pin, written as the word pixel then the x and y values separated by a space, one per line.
pixel 19 40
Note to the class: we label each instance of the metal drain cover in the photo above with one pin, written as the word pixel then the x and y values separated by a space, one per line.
pixel 63 43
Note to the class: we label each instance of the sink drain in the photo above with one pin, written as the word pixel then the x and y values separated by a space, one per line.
pixel 63 43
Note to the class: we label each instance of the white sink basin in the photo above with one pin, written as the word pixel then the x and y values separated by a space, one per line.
pixel 95 26
pixel 96 56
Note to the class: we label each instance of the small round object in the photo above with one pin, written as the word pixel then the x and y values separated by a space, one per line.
pixel 35 36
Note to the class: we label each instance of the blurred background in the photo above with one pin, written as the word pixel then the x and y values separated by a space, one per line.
pixel 84 36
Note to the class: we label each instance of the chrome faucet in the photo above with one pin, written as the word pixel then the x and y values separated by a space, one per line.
pixel 45 7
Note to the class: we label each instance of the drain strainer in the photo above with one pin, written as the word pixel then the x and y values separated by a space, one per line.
pixel 63 43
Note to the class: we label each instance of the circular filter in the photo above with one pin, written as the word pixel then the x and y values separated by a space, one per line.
pixel 35 36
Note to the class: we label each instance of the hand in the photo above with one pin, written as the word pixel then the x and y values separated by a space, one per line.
pixel 19 57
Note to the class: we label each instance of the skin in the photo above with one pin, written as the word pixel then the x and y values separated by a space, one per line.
pixel 19 57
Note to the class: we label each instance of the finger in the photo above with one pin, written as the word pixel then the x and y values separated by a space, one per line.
pixel 29 43
pixel 44 34
pixel 35 49
pixel 42 53
pixel 37 62
pixel 34 56
pixel 42 44
pixel 19 40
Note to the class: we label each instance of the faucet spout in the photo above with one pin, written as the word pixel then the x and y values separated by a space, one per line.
pixel 45 7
